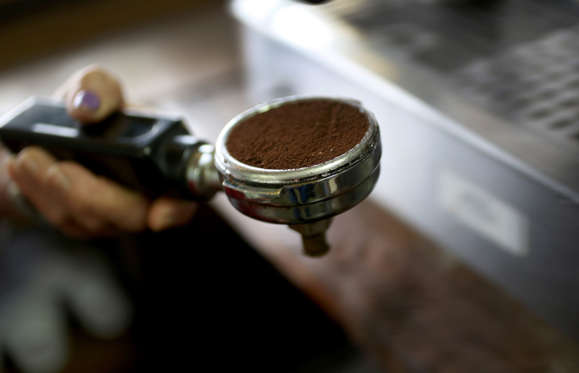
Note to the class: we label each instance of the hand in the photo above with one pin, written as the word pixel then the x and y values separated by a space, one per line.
pixel 72 198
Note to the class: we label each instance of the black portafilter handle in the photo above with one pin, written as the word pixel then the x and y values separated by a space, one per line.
pixel 149 154
pixel 315 2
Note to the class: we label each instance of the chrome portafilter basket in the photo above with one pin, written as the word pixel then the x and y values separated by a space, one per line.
pixel 158 156
pixel 304 198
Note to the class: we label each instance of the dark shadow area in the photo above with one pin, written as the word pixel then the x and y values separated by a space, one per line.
pixel 207 299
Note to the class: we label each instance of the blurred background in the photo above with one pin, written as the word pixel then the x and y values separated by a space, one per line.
pixel 464 259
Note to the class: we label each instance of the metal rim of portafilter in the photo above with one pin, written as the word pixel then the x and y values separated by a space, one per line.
pixel 304 198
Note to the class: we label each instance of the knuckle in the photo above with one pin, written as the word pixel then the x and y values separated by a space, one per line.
pixel 51 173
pixel 54 177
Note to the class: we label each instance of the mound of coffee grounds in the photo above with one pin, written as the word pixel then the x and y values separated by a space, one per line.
pixel 298 134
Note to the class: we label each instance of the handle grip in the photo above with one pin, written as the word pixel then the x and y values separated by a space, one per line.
pixel 145 153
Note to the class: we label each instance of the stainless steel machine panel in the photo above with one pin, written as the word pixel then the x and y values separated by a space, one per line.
pixel 479 107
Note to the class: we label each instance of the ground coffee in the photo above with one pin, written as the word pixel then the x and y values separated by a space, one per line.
pixel 297 134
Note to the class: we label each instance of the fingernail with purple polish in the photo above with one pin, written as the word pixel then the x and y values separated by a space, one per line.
pixel 86 100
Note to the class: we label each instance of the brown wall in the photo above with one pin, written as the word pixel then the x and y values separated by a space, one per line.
pixel 41 32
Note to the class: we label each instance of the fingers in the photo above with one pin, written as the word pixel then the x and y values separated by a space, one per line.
pixel 168 212
pixel 98 197
pixel 92 94
pixel 37 179
pixel 75 200
pixel 28 170
pixel 82 204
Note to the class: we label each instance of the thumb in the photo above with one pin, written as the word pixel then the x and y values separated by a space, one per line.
pixel 92 94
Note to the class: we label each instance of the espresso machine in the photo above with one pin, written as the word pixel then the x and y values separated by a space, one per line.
pixel 478 103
